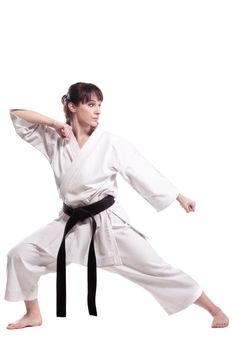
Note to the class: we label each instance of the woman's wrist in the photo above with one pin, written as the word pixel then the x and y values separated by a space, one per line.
pixel 56 124
pixel 53 123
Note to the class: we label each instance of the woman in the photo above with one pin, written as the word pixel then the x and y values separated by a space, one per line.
pixel 93 225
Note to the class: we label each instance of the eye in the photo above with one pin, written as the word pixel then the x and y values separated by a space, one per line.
pixel 91 104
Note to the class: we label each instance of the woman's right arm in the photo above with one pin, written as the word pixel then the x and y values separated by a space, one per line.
pixel 63 129
pixel 41 132
pixel 33 117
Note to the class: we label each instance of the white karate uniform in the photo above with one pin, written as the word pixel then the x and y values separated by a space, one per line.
pixel 83 176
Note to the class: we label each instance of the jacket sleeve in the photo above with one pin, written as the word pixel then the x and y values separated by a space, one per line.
pixel 143 176
pixel 40 136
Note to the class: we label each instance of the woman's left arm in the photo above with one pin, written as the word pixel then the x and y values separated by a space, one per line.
pixel 186 203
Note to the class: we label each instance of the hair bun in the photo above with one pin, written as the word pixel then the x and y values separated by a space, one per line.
pixel 65 99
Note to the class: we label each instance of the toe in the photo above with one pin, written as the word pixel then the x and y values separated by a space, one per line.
pixel 11 326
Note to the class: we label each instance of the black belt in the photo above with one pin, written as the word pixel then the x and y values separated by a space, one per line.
pixel 77 215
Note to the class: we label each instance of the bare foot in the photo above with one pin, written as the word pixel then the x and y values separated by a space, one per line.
pixel 26 321
pixel 220 320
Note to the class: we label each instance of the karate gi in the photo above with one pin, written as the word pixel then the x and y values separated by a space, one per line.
pixel 83 176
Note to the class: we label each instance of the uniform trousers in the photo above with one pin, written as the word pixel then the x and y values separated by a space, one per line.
pixel 172 288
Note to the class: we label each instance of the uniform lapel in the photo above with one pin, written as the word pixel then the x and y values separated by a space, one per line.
pixel 80 154
pixel 74 145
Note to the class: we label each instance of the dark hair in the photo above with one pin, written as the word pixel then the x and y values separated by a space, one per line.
pixel 79 93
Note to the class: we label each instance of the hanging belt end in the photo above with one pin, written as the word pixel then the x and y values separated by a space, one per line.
pixel 61 313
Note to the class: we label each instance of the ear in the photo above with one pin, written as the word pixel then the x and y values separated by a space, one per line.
pixel 72 107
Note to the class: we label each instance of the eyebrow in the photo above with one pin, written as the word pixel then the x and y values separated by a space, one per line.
pixel 95 101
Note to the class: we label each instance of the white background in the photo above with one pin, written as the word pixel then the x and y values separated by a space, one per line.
pixel 165 68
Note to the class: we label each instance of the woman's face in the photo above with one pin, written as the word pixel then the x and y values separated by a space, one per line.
pixel 88 113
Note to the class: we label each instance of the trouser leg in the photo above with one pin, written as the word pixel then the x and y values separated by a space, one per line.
pixel 170 286
pixel 26 262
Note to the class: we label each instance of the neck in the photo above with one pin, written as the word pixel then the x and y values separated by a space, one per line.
pixel 81 131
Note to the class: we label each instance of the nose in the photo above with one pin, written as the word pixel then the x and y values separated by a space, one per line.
pixel 97 111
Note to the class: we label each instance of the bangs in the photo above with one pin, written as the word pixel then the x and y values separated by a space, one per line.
pixel 81 93
pixel 88 91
